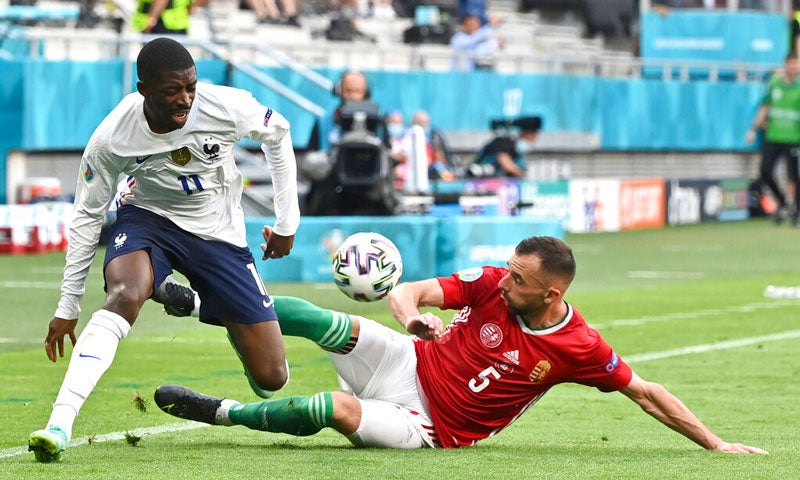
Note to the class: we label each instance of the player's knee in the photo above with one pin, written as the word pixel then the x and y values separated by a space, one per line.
pixel 273 377
pixel 346 413
pixel 126 295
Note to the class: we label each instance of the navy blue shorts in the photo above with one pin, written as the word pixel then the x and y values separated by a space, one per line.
pixel 224 275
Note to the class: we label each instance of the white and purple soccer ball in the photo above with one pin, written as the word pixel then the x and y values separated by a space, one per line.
pixel 367 266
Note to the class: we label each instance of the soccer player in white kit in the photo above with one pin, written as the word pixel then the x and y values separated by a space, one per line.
pixel 175 138
pixel 512 339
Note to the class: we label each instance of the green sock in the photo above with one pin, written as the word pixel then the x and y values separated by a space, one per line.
pixel 299 416
pixel 299 318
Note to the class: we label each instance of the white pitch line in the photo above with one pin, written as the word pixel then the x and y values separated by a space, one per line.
pixel 39 285
pixel 139 432
pixel 711 312
pixel 710 347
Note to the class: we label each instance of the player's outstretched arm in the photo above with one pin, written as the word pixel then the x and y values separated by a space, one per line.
pixel 405 300
pixel 669 410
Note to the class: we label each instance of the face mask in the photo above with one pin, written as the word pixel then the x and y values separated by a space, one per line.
pixel 395 130
pixel 523 146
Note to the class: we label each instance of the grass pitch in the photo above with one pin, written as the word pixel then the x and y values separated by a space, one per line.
pixel 683 305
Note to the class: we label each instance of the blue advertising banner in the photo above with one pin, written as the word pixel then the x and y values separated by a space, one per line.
pixel 752 37
pixel 465 241
pixel 319 237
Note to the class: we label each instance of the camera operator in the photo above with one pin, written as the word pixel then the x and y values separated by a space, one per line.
pixel 504 156
pixel 356 177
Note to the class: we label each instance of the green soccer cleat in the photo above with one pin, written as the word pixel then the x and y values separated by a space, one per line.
pixel 185 403
pixel 48 444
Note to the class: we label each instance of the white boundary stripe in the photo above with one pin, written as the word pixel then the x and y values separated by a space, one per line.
pixel 712 312
pixel 710 347
pixel 42 285
pixel 139 432
pixel 644 357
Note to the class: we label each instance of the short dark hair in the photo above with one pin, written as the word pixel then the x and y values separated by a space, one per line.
pixel 162 55
pixel 555 255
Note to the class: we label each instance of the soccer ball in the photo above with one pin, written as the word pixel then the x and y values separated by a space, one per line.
pixel 366 266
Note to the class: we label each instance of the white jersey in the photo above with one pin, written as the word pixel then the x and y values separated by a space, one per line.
pixel 187 175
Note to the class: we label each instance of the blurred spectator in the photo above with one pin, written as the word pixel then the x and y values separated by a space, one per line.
pixel 395 129
pixel 420 153
pixel 779 117
pixel 395 133
pixel 474 46
pixel 440 159
pixel 504 156
pixel 475 8
pixel 381 9
pixel 171 17
pixel 794 27
pixel 266 11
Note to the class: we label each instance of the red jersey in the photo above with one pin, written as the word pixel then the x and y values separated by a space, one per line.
pixel 488 368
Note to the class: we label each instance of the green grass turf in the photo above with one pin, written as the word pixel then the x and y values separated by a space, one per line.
pixel 647 292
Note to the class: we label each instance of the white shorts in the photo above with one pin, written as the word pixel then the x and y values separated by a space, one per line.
pixel 381 371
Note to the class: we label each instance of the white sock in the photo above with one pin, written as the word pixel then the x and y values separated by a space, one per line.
pixel 222 416
pixel 91 357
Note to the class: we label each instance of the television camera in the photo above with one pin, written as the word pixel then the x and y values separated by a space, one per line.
pixel 360 180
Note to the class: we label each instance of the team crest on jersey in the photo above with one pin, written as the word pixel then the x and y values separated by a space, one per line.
pixel 181 156
pixel 540 371
pixel 491 335
pixel 210 149
pixel 470 274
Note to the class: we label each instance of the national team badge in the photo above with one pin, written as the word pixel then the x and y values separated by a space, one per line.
pixel 491 335
pixel 210 148
pixel 181 156
pixel 540 371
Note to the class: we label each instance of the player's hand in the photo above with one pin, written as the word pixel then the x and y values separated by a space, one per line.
pixel 426 326
pixel 750 136
pixel 739 448
pixel 277 246
pixel 59 328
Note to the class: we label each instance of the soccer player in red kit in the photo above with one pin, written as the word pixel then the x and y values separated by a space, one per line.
pixel 513 338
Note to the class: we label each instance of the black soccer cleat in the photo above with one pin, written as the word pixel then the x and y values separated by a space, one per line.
pixel 178 299
pixel 183 402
